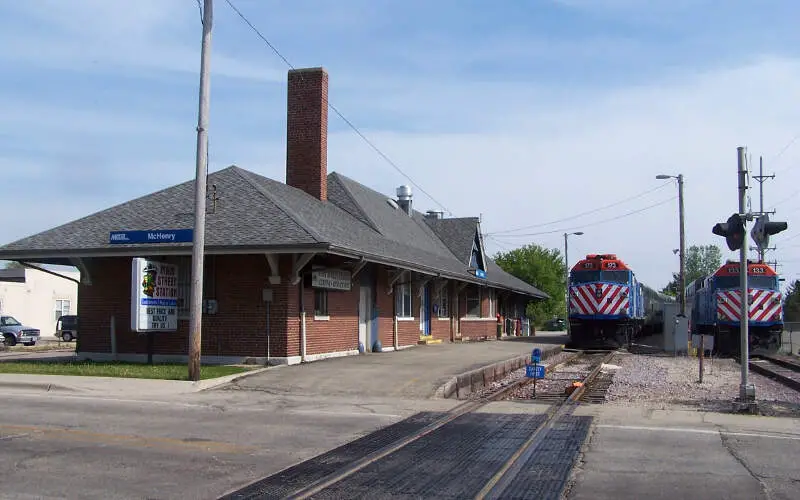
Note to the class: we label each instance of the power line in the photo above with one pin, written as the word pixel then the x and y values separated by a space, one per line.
pixel 582 213
pixel 591 224
pixel 786 147
pixel 336 110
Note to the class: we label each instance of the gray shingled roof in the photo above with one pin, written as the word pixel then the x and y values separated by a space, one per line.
pixel 257 212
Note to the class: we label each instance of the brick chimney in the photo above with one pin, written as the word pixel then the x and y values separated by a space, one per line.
pixel 307 131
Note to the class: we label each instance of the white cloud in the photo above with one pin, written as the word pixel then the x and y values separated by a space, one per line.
pixel 97 36
pixel 516 152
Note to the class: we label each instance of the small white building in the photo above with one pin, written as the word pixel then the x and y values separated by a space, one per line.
pixel 38 299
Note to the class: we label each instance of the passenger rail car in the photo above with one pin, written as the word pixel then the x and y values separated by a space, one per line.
pixel 714 307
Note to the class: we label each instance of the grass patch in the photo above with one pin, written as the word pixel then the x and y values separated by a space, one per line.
pixel 120 369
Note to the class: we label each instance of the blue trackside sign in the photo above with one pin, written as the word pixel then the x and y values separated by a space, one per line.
pixel 152 236
pixel 536 356
pixel 534 371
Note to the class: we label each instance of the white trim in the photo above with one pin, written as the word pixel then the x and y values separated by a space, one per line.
pixel 322 318
pixel 405 318
pixel 443 319
pixel 473 318
pixel 215 360
pixel 175 358
pixel 400 348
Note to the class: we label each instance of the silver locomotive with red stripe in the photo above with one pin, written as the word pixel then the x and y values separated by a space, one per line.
pixel 607 306
pixel 714 306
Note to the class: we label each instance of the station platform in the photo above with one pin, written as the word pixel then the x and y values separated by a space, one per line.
pixel 414 373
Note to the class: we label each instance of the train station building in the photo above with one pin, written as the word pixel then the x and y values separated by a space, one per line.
pixel 315 267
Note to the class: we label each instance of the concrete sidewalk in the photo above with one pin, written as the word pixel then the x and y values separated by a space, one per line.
pixel 113 386
pixel 415 373
pixel 663 454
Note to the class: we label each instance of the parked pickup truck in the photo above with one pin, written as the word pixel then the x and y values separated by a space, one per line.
pixel 17 333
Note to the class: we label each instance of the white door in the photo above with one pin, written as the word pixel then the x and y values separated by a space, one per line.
pixel 363 317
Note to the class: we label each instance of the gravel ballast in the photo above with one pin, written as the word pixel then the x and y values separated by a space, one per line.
pixel 667 382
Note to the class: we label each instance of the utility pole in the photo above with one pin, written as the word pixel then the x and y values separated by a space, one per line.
pixel 760 178
pixel 682 291
pixel 198 244
pixel 747 391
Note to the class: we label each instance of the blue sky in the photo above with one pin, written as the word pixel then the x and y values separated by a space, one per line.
pixel 523 112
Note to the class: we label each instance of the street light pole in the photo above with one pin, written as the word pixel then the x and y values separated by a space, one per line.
pixel 566 276
pixel 682 236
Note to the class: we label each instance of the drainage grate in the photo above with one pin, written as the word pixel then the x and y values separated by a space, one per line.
pixel 284 483
pixel 454 461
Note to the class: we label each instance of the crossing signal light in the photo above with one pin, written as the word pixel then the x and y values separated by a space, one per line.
pixel 733 231
pixel 763 229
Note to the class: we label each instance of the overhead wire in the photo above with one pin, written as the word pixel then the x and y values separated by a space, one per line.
pixel 541 224
pixel 333 108
pixel 591 224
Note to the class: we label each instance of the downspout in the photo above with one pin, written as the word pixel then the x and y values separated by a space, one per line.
pixel 395 336
pixel 302 323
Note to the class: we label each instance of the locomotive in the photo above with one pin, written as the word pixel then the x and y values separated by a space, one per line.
pixel 608 307
pixel 713 305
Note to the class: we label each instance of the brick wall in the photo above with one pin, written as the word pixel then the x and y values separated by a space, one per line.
pixel 307 131
pixel 238 329
pixel 340 331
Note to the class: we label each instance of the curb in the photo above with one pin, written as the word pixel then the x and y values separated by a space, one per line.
pixel 212 383
pixel 460 386
pixel 44 386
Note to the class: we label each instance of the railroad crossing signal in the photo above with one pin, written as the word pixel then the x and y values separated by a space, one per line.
pixel 733 231
pixel 763 228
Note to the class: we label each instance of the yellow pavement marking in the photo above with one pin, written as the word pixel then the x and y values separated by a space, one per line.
pixel 33 432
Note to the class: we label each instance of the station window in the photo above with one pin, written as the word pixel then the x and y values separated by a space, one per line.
pixel 403 301
pixel 442 304
pixel 321 303
pixel 474 302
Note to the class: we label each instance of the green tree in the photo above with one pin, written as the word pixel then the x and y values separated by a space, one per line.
pixel 791 302
pixel 542 268
pixel 701 260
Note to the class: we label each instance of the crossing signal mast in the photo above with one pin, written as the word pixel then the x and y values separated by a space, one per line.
pixel 734 231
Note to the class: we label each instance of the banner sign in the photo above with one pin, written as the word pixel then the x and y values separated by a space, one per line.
pixel 154 296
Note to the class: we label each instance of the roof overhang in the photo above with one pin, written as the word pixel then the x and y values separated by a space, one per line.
pixel 67 257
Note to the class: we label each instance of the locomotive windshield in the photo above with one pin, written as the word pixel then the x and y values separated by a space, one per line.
pixel 767 282
pixel 585 276
pixel 615 276
pixel 590 276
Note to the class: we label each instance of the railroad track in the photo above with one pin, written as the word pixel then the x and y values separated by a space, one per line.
pixel 595 386
pixel 780 368
pixel 504 445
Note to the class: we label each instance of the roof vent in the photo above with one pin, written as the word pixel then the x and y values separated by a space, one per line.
pixel 434 214
pixel 392 203
pixel 404 198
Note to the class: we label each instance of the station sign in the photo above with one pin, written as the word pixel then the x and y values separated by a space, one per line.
pixel 152 236
pixel 332 279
